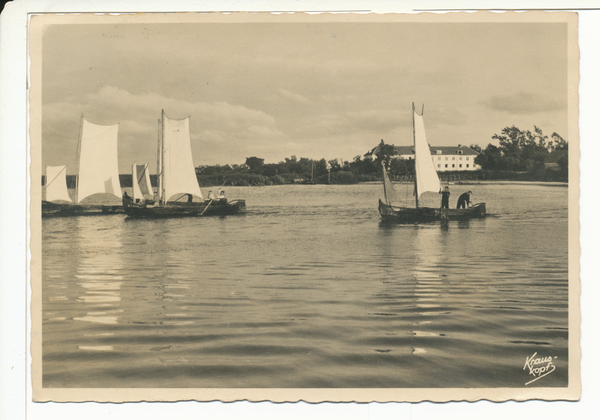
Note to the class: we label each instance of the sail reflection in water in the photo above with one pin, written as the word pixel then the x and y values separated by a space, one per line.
pixel 91 307
pixel 428 287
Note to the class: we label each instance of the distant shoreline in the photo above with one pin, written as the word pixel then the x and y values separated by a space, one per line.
pixel 457 183
pixel 543 183
pixel 546 183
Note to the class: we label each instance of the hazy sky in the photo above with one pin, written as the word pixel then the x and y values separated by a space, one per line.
pixel 274 90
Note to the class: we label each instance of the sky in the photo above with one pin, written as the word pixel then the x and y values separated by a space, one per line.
pixel 308 89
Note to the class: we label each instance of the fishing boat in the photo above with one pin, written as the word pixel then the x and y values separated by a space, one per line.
pixel 97 173
pixel 426 180
pixel 177 179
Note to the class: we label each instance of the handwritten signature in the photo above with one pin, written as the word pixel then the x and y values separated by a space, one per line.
pixel 539 367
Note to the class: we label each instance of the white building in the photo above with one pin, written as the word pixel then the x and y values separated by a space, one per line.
pixel 445 158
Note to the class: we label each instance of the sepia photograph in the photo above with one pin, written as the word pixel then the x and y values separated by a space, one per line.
pixel 317 207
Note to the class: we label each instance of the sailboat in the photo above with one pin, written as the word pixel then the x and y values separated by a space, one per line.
pixel 97 172
pixel 177 178
pixel 426 180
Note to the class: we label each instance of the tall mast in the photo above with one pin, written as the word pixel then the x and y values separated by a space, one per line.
pixel 415 148
pixel 162 156
pixel 78 159
pixel 158 163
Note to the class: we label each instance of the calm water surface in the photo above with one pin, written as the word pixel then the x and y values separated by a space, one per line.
pixel 309 289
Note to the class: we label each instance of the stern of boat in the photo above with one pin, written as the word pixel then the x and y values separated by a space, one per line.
pixel 479 209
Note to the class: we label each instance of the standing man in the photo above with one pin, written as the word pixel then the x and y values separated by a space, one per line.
pixel 464 200
pixel 445 196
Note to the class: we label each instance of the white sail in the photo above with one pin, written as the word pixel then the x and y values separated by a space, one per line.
pixel 98 165
pixel 141 181
pixel 178 173
pixel 427 177
pixel 388 188
pixel 56 184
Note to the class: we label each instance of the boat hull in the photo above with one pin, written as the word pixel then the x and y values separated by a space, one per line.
pixel 177 209
pixel 50 209
pixel 428 214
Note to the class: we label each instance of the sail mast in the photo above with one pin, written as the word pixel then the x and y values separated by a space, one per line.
pixel 387 194
pixel 78 160
pixel 134 181
pixel 158 163
pixel 161 142
pixel 415 148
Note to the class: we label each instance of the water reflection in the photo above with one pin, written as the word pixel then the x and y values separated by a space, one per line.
pixel 99 274
pixel 314 294
pixel 430 249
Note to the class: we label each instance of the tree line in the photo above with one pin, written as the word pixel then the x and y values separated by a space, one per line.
pixel 305 170
pixel 292 170
pixel 525 152
pixel 520 154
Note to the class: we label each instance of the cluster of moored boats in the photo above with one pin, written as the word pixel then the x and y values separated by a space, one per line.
pixel 98 172
pixel 178 193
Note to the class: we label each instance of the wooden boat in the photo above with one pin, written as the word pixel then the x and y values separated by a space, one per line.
pixel 97 173
pixel 183 209
pixel 177 178
pixel 426 180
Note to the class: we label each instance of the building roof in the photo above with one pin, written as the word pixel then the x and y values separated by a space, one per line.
pixel 446 150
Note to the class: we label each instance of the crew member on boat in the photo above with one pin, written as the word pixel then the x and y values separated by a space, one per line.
pixel 464 200
pixel 222 199
pixel 211 196
pixel 445 196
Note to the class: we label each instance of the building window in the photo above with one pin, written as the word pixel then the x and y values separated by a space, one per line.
pixel 467 165
pixel 446 158
pixel 453 159
pixel 439 152
pixel 446 165
pixel 439 165
pixel 453 165
pixel 460 158
pixel 460 166
pixel 467 158
pixel 439 158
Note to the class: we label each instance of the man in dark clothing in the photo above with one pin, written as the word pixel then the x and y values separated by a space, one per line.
pixel 464 200
pixel 445 197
